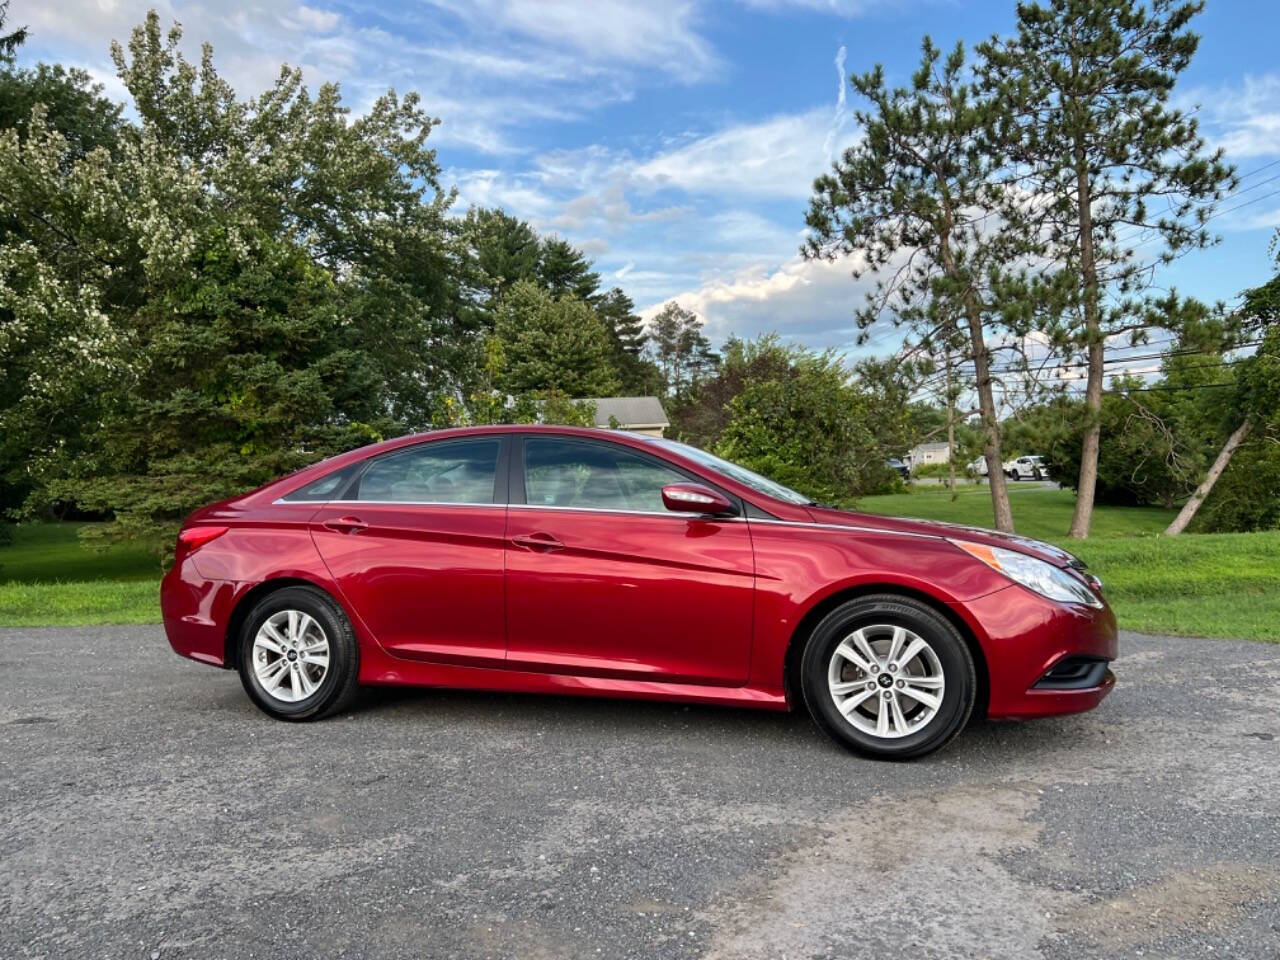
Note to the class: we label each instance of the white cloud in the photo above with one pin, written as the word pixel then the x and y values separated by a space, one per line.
pixel 840 8
pixel 658 34
pixel 494 188
pixel 1244 118
pixel 249 42
pixel 809 302
pixel 321 20
pixel 778 157
pixel 485 89
pixel 1268 220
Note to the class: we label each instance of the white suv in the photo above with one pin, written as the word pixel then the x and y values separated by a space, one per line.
pixel 1026 468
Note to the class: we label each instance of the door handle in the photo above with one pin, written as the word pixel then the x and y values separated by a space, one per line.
pixel 346 525
pixel 537 541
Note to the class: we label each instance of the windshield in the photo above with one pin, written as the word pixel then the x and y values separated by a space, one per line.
pixel 741 474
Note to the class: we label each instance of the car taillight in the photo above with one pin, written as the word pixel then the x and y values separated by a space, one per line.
pixel 191 539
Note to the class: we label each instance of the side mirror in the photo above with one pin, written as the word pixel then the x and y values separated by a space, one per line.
pixel 697 498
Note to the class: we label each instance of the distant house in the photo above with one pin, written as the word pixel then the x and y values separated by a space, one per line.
pixel 923 454
pixel 640 414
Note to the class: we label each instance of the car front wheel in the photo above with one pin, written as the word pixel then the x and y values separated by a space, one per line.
pixel 298 655
pixel 888 677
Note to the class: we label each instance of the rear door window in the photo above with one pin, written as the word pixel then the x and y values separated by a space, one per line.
pixel 454 471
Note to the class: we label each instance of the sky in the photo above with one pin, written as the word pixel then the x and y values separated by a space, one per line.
pixel 676 141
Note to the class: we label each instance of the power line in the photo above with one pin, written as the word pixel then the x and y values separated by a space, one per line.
pixel 1084 365
pixel 1136 230
pixel 1162 387
pixel 1222 213
pixel 1034 369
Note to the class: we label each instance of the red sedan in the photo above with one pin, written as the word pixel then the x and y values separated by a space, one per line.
pixel 562 560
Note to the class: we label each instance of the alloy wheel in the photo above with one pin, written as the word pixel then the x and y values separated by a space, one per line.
pixel 886 681
pixel 290 656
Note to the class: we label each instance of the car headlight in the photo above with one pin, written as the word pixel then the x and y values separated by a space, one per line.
pixel 1044 578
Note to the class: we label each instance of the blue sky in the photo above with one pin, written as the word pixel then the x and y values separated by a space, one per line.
pixel 675 140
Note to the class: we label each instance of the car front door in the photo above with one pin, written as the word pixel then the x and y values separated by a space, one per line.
pixel 416 548
pixel 602 580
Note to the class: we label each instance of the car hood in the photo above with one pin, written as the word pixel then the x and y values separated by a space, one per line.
pixel 957 531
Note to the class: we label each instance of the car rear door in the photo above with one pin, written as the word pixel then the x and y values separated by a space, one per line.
pixel 416 548
pixel 602 580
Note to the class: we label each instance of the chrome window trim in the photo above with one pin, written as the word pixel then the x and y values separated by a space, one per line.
pixel 401 503
pixel 669 514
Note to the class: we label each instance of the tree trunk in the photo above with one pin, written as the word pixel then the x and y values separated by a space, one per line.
pixel 951 431
pixel 986 398
pixel 1190 508
pixel 990 428
pixel 1088 480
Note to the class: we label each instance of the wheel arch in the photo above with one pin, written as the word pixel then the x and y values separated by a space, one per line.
pixel 240 612
pixel 800 636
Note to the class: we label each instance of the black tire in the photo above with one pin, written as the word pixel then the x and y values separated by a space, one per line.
pixel 1036 474
pixel 958 671
pixel 337 687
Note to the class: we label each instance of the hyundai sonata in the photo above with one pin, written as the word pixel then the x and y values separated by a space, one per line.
pixel 562 560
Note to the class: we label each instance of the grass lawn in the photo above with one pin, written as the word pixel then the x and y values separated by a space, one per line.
pixel 79 603
pixel 1038 512
pixel 1209 585
pixel 1219 585
pixel 48 579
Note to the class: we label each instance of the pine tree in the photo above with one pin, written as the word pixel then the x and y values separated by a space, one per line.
pixel 564 271
pixel 680 349
pixel 552 344
pixel 912 199
pixel 1084 118
pixel 9 42
pixel 501 250
pixel 617 311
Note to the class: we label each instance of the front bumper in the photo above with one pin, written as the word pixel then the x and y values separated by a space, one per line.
pixel 1024 636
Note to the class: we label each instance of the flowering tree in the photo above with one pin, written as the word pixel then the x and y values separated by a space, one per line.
pixel 244 286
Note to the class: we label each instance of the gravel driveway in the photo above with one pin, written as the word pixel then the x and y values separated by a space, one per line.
pixel 146 809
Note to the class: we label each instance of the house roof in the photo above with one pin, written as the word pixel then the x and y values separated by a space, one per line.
pixel 929 447
pixel 629 411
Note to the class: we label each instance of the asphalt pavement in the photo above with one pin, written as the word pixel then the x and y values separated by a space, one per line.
pixel 148 810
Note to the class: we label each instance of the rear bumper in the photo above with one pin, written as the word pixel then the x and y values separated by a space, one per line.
pixel 196 612
pixel 1023 636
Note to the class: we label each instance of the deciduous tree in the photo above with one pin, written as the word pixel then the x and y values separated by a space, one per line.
pixel 797 419
pixel 1255 405
pixel 242 287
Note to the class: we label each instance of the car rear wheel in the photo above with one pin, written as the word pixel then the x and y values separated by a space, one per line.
pixel 298 655
pixel 888 677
